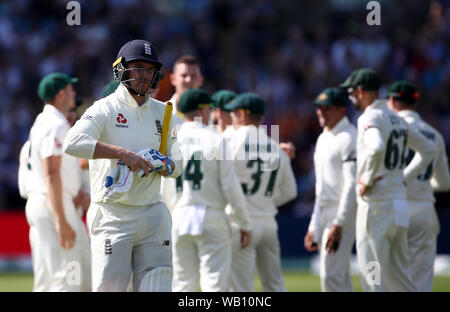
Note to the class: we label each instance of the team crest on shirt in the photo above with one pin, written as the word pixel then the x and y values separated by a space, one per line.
pixel 108 247
pixel 158 132
pixel 158 126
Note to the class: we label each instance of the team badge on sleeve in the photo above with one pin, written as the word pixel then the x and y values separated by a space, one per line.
pixel 58 143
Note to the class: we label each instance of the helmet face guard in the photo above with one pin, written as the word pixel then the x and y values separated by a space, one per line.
pixel 142 75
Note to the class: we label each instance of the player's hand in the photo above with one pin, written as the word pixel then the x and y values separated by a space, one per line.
pixel 289 148
pixel 246 238
pixel 333 239
pixel 136 162
pixel 309 242
pixel 66 235
pixel 85 201
pixel 364 188
pixel 159 162
pixel 166 172
pixel 77 199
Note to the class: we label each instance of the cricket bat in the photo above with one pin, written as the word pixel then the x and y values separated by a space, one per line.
pixel 165 128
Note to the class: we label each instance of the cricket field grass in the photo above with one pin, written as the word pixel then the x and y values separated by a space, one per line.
pixel 296 281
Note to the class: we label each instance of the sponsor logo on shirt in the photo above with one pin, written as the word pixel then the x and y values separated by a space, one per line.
pixel 121 121
pixel 86 117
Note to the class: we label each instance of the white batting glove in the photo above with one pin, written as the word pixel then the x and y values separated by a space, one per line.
pixel 118 181
pixel 158 161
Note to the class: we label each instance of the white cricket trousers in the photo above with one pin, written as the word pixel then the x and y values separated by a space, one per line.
pixel 126 240
pixel 335 272
pixel 262 256
pixel 422 242
pixel 382 248
pixel 204 258
pixel 54 268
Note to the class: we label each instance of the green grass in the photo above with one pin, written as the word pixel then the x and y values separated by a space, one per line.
pixel 296 281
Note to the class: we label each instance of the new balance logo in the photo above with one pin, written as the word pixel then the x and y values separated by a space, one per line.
pixel 121 121
pixel 108 247
pixel 166 243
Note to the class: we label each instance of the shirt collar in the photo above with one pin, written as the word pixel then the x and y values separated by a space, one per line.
pixel 408 113
pixel 194 123
pixel 377 104
pixel 48 108
pixel 125 96
pixel 340 125
pixel 173 100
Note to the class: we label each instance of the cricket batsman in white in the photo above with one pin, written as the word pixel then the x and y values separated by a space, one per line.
pixel 130 227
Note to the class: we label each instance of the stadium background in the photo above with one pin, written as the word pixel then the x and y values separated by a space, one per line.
pixel 286 51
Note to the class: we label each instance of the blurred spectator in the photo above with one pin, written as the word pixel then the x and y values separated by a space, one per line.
pixel 287 51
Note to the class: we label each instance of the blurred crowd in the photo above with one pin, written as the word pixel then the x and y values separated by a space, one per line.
pixel 286 51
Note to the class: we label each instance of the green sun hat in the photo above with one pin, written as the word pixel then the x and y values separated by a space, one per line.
pixel 366 78
pixel 194 99
pixel 332 97
pixel 52 83
pixel 222 97
pixel 249 101
pixel 403 91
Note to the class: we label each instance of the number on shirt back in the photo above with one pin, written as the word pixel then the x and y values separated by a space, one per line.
pixel 192 173
pixel 256 177
pixel 395 150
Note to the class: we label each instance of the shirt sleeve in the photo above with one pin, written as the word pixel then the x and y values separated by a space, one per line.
pixel 173 148
pixel 232 189
pixel 440 181
pixel 83 136
pixel 375 144
pixel 287 187
pixel 347 203
pixel 314 222
pixel 52 143
pixel 425 152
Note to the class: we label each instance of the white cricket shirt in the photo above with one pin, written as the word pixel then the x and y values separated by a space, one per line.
pixel 420 188
pixel 118 120
pixel 386 159
pixel 208 179
pixel 47 136
pixel 264 171
pixel 335 170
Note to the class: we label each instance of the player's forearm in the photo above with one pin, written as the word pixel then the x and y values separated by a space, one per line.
pixel 109 151
pixel 372 166
pixel 440 182
pixel 425 153
pixel 418 164
pixel 314 222
pixel 54 193
pixel 232 190
pixel 347 204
